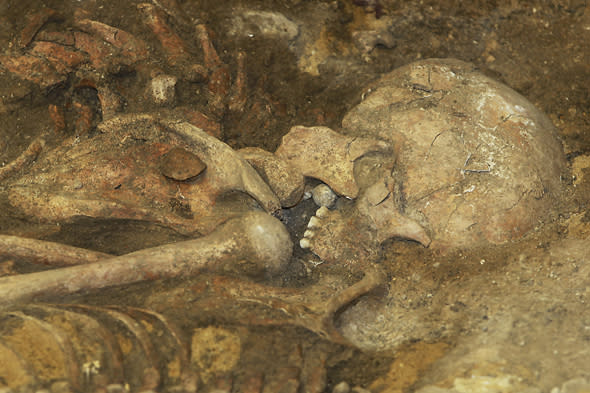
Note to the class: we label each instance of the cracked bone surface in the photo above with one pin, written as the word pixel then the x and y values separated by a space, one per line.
pixel 255 244
pixel 476 162
pixel 473 162
pixel 322 153
pixel 117 174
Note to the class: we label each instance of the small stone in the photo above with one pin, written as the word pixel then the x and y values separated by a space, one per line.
pixel 435 389
pixel 324 196
pixel 576 385
pixel 162 89
pixel 342 387
pixel 190 383
pixel 181 164
pixel 115 388
pixel 151 378
pixel 267 24
pixel 61 387
pixel 214 351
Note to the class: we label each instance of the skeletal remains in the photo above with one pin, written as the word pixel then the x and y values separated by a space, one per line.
pixel 435 153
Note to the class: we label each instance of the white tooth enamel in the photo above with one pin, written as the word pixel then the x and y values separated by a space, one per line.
pixel 304 243
pixel 308 233
pixel 322 211
pixel 314 222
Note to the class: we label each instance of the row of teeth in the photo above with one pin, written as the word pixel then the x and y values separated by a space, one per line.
pixel 314 223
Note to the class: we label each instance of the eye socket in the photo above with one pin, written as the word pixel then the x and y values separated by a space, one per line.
pixel 372 167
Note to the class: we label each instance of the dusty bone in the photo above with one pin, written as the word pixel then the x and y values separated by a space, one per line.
pixel 475 162
pixel 26 157
pixel 120 178
pixel 47 253
pixel 314 307
pixel 285 180
pixel 378 205
pixel 324 154
pixel 255 243
pixel 231 172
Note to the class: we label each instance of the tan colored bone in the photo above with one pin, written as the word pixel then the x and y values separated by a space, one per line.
pixel 322 153
pixel 46 253
pixel 315 307
pixel 117 175
pixel 285 180
pixel 227 170
pixel 476 163
pixel 256 244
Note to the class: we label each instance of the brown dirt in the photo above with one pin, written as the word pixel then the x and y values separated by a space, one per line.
pixel 540 48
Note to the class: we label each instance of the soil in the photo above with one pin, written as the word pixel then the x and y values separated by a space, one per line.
pixel 514 314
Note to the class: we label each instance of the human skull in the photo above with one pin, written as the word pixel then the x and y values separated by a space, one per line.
pixel 471 163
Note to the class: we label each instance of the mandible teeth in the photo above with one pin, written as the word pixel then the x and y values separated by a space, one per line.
pixel 308 234
pixel 322 211
pixel 314 222
pixel 304 243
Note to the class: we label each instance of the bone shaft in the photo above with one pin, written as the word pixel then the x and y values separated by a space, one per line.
pixel 150 264
pixel 24 159
pixel 47 253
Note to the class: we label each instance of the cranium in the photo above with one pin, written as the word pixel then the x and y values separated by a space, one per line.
pixel 470 163
pixel 128 171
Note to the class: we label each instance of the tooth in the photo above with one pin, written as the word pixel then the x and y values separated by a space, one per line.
pixel 322 211
pixel 304 243
pixel 308 233
pixel 314 222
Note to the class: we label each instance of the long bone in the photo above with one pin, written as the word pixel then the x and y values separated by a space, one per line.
pixel 255 243
pixel 47 253
pixel 314 307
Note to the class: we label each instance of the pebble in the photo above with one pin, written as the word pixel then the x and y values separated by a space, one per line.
pixel 61 387
pixel 162 89
pixel 268 24
pixel 116 388
pixel 181 164
pixel 324 196
pixel 342 387
pixel 576 385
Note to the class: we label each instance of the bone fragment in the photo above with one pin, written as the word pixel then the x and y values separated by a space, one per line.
pixel 47 253
pixel 230 171
pixel 29 155
pixel 379 205
pixel 322 153
pixel 315 307
pixel 284 179
pixel 255 244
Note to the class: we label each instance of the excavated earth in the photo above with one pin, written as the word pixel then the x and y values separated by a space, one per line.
pixel 507 318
